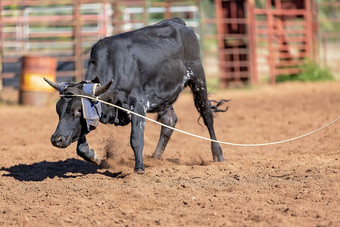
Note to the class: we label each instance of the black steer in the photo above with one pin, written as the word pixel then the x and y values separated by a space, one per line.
pixel 144 71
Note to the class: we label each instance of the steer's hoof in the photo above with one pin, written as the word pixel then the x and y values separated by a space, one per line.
pixel 139 171
pixel 96 160
pixel 156 155
pixel 218 158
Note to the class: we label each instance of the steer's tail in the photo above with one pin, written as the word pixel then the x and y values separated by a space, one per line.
pixel 215 107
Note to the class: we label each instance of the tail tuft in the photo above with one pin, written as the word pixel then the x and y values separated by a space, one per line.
pixel 215 107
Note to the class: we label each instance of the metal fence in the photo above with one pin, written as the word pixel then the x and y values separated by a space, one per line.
pixel 241 39
pixel 272 38
pixel 67 29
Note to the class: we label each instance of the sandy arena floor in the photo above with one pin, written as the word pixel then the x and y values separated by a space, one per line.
pixel 293 184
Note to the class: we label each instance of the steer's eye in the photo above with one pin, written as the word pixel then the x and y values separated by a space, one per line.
pixel 77 112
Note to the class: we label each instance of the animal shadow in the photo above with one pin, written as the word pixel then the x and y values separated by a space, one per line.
pixel 70 168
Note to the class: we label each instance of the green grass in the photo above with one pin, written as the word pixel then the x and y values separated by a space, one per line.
pixel 310 71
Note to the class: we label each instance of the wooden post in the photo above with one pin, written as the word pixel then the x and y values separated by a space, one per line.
pixel 115 17
pixel 315 29
pixel 77 39
pixel 200 27
pixel 309 24
pixel 146 13
pixel 252 42
pixel 167 9
pixel 220 42
pixel 104 30
pixel 271 49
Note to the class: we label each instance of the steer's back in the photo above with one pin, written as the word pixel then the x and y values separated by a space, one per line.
pixel 169 38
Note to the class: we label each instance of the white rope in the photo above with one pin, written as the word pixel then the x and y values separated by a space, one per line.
pixel 204 138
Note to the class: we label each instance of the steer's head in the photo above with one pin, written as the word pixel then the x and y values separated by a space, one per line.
pixel 72 125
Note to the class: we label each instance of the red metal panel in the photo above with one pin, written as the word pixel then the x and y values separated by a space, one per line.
pixel 287 33
pixel 234 38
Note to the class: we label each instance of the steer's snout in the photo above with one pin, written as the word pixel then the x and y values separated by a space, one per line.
pixel 59 141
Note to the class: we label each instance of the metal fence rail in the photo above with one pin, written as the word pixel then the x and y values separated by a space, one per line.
pixel 67 29
pixel 243 41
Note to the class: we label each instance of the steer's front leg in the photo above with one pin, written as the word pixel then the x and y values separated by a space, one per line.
pixel 137 138
pixel 84 151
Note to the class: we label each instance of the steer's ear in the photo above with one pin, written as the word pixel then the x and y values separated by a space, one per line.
pixel 111 97
pixel 96 80
pixel 53 84
pixel 101 89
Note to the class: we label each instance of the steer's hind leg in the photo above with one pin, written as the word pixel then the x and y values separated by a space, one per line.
pixel 198 86
pixel 167 117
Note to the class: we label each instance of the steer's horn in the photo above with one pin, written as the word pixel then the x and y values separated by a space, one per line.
pixel 53 84
pixel 101 89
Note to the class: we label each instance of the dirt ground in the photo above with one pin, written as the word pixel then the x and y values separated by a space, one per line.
pixel 292 184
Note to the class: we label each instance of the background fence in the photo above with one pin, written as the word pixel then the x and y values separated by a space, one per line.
pixel 67 29
pixel 242 40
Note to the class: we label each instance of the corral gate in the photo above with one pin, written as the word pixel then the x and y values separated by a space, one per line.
pixel 285 35
pixel 266 37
